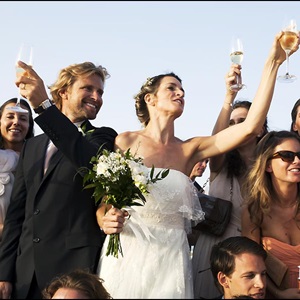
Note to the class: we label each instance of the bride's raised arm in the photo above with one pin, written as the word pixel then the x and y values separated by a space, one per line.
pixel 231 137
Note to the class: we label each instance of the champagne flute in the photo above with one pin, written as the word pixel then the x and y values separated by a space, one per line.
pixel 236 56
pixel 287 41
pixel 26 55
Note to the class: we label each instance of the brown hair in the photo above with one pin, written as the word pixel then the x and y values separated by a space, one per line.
pixel 294 115
pixel 149 87
pixel 67 77
pixel 258 189
pixel 88 283
pixel 236 166
pixel 24 103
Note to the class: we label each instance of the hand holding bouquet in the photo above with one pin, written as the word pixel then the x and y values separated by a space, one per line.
pixel 120 179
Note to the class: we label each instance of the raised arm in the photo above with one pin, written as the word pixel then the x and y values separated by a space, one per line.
pixel 222 122
pixel 224 115
pixel 233 136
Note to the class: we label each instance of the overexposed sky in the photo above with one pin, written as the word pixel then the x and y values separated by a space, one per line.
pixel 138 39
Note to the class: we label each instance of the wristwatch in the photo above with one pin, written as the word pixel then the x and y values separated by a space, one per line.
pixel 43 106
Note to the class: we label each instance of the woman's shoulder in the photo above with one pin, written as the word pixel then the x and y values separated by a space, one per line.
pixel 8 153
pixel 128 138
pixel 8 160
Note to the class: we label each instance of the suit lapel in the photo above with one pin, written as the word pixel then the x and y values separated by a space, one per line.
pixel 57 156
pixel 86 126
pixel 55 159
pixel 42 153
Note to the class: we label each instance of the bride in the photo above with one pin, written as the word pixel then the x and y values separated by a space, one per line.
pixel 158 265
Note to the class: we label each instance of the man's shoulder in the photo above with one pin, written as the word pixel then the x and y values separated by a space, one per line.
pixel 105 130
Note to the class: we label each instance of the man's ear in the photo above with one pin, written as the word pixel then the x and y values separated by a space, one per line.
pixel 63 94
pixel 223 280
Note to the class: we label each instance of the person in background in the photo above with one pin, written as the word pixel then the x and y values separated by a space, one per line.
pixel 162 265
pixel 295 115
pixel 198 171
pixel 77 284
pixel 50 226
pixel 227 173
pixel 238 268
pixel 15 128
pixel 271 214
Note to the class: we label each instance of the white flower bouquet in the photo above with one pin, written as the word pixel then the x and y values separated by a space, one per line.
pixel 120 180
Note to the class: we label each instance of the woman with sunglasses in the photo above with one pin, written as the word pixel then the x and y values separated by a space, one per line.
pixel 271 214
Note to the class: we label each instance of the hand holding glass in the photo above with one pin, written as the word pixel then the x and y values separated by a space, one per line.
pixel 26 55
pixel 287 41
pixel 236 56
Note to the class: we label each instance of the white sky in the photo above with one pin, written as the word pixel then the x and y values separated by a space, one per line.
pixel 138 39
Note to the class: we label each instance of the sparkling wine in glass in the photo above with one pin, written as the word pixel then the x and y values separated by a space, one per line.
pixel 236 56
pixel 26 55
pixel 287 41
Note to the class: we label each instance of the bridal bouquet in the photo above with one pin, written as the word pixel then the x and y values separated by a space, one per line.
pixel 120 180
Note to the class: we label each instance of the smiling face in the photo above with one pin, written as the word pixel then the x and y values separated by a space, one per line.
pixel 14 128
pixel 248 278
pixel 83 99
pixel 285 171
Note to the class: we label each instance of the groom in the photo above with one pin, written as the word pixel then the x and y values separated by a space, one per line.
pixel 51 226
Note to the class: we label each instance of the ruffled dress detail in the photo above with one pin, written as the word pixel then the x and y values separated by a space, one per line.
pixel 156 255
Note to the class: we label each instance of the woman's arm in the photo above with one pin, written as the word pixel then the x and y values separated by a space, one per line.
pixel 233 136
pixel 216 162
pixel 224 115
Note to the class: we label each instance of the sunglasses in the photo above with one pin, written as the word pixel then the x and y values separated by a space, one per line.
pixel 286 156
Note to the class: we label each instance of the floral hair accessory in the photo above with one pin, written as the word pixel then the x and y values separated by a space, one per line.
pixel 149 81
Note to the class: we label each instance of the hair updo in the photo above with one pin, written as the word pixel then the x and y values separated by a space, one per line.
pixel 149 87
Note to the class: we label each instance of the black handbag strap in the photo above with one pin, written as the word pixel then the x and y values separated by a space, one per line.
pixel 231 186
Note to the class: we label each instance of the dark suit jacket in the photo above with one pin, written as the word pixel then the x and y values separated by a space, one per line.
pixel 51 225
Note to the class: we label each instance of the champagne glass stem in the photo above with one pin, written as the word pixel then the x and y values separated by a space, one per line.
pixel 237 80
pixel 287 62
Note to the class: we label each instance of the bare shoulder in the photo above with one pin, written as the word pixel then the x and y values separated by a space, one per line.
pixel 127 139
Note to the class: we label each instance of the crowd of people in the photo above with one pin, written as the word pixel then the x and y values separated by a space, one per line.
pixel 54 238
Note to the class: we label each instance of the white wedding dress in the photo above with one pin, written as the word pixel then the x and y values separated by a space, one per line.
pixel 156 255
